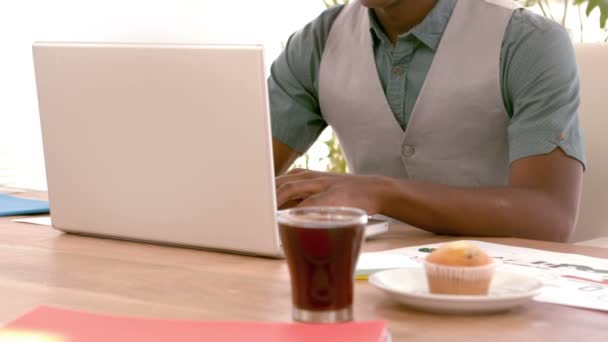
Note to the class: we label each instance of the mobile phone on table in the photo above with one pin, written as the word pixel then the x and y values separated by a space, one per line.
pixel 375 227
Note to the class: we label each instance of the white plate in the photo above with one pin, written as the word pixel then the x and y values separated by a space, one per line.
pixel 409 286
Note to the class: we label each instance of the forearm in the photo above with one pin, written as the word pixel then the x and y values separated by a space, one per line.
pixel 283 156
pixel 501 211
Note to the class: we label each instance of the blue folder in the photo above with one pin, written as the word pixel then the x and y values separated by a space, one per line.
pixel 10 205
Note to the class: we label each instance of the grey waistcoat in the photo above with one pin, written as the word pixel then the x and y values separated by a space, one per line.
pixel 457 131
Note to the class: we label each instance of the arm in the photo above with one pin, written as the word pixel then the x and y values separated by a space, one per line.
pixel 283 155
pixel 540 202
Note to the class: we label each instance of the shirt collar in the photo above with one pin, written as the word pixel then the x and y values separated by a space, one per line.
pixel 429 31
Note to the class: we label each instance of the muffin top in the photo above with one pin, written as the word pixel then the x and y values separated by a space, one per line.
pixel 459 253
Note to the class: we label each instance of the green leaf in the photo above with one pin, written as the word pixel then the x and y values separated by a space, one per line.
pixel 529 3
pixel 604 13
pixel 592 4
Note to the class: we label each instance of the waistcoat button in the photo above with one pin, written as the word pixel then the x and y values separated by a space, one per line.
pixel 408 150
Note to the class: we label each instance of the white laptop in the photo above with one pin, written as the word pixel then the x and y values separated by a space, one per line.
pixel 160 143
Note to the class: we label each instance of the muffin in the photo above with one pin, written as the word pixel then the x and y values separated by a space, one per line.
pixel 459 268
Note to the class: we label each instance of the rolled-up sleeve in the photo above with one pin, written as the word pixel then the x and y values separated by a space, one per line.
pixel 294 110
pixel 293 84
pixel 540 78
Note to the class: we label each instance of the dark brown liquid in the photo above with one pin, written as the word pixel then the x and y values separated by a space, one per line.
pixel 321 264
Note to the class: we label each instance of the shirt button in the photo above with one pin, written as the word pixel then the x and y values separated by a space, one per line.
pixel 397 70
pixel 408 150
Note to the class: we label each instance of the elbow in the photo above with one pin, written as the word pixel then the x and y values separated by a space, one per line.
pixel 566 222
pixel 561 233
pixel 555 218
pixel 568 227
pixel 560 228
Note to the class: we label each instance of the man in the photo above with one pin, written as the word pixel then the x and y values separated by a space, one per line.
pixel 458 117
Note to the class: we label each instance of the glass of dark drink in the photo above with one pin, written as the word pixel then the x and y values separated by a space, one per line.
pixel 321 245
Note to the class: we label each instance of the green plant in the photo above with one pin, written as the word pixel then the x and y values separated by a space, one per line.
pixel 337 162
pixel 592 4
pixel 330 3
pixel 545 6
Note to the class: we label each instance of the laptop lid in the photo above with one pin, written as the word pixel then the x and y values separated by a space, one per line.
pixel 162 143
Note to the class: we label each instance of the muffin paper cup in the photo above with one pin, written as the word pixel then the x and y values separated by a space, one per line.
pixel 470 280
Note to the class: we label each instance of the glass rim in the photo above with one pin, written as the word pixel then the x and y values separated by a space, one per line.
pixel 286 217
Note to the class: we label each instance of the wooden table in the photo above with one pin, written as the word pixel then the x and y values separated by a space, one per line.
pixel 39 265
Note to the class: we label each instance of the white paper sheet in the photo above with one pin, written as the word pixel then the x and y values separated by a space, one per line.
pixel 569 279
pixel 369 263
pixel 39 220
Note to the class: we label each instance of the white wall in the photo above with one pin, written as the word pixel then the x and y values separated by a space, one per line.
pixel 269 22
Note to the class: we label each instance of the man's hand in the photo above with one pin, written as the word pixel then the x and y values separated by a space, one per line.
pixel 310 188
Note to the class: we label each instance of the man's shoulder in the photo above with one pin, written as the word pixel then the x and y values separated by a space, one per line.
pixel 530 36
pixel 524 21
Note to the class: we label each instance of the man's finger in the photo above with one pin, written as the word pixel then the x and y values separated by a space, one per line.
pixel 289 204
pixel 298 190
pixel 317 200
pixel 296 176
